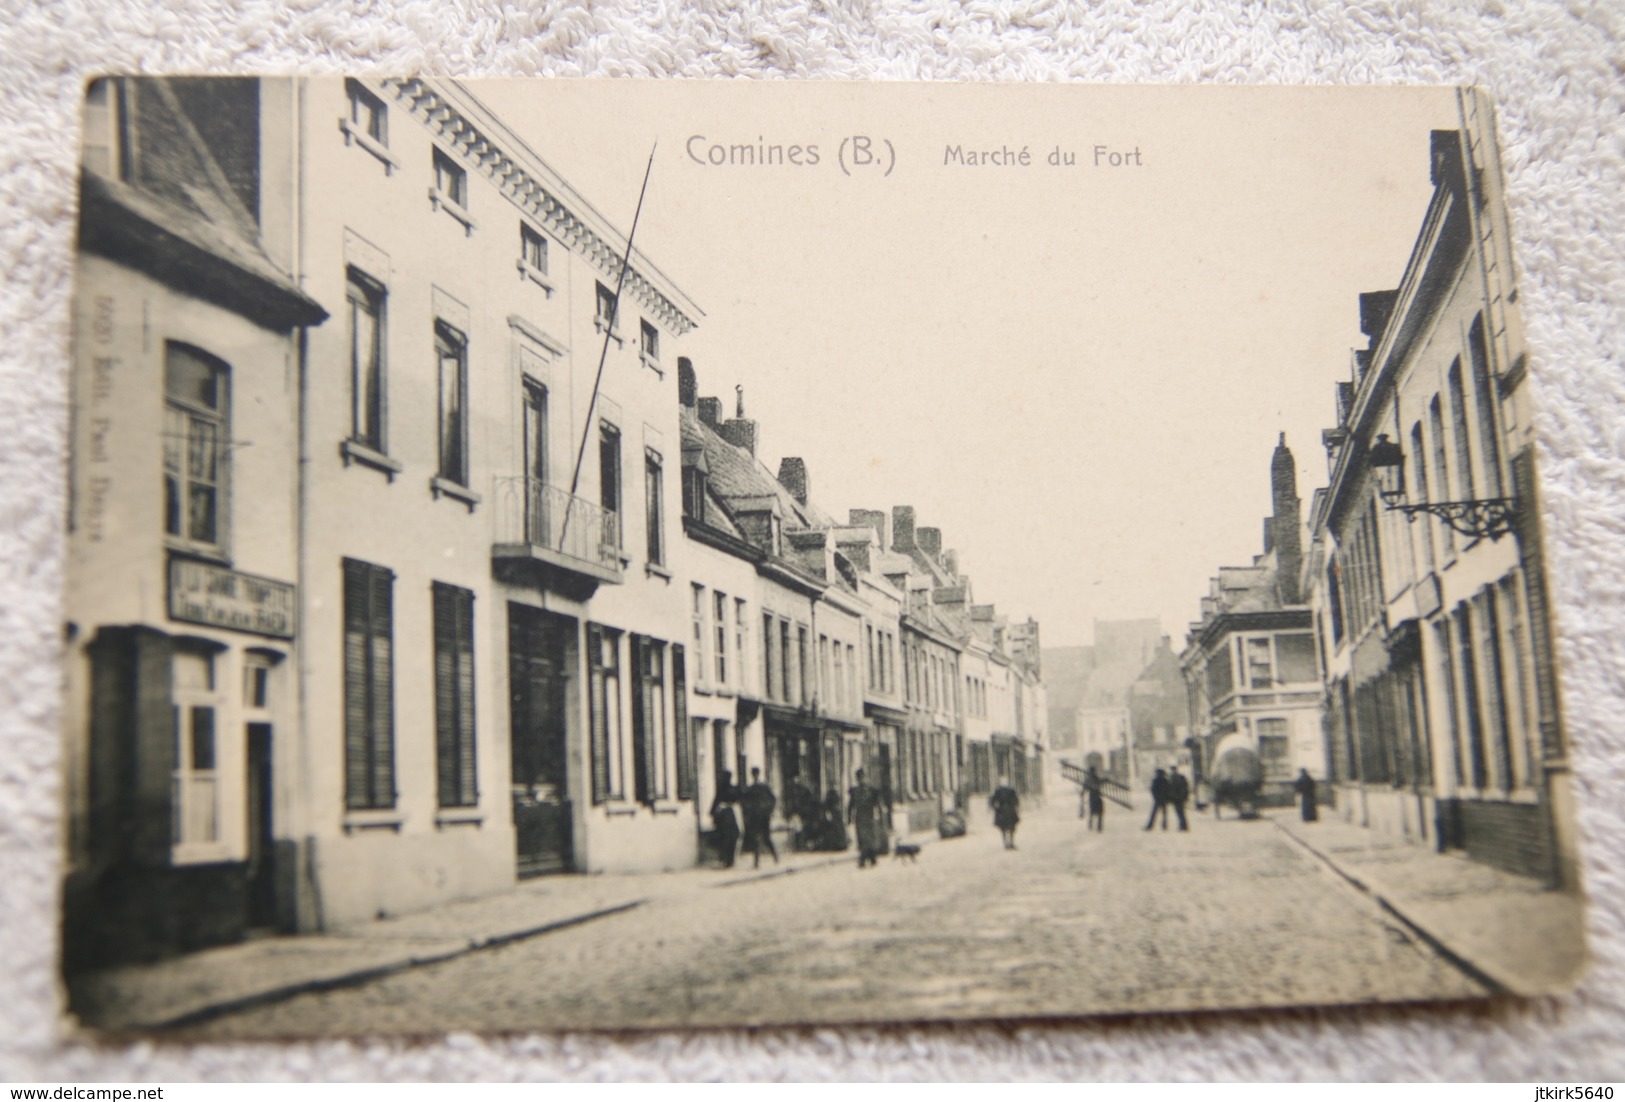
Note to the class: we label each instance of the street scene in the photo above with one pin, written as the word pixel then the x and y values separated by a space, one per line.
pixel 1123 921
pixel 469 629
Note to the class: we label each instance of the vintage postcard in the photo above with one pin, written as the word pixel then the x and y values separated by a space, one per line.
pixel 625 554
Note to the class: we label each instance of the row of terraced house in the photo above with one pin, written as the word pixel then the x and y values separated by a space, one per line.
pixel 1403 654
pixel 406 559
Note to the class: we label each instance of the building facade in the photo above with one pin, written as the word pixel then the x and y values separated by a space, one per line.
pixel 1441 703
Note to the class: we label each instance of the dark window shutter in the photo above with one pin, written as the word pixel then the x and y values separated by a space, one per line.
pixel 357 756
pixel 382 700
pixel 599 721
pixel 467 787
pixel 640 719
pixel 445 693
pixel 687 789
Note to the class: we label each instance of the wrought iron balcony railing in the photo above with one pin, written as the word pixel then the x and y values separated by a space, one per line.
pixel 532 514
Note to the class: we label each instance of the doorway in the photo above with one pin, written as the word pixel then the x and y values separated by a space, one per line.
pixel 261 872
pixel 541 646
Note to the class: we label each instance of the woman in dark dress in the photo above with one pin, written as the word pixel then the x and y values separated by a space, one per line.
pixel 1006 805
pixel 1304 786
pixel 834 836
pixel 724 823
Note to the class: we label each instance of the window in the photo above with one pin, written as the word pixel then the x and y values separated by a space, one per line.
pixel 1489 453
pixel 687 737
pixel 648 719
pixel 804 672
pixel 1419 466
pixel 741 639
pixel 450 191
pixel 369 687
pixel 694 493
pixel 1274 749
pixel 1441 470
pixel 454 695
pixel 720 626
pixel 699 631
pixel 195 792
pixel 604 319
pixel 256 682
pixel 604 700
pixel 532 253
pixel 609 481
pixel 1458 430
pixel 649 345
pixel 195 456
pixel 652 484
pixel 1296 656
pixel 786 693
pixel 366 304
pixel 451 349
pixel 367 123
pixel 538 526
pixel 769 666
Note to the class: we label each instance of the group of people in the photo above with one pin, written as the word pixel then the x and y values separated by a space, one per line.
pixel 822 825
pixel 1170 788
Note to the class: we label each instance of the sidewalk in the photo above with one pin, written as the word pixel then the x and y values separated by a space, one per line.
pixel 194 988
pixel 1508 931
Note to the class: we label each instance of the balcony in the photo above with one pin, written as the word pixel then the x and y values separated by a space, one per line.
pixel 549 538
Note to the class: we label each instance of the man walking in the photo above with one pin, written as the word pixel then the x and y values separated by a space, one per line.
pixel 1179 790
pixel 1006 805
pixel 1159 799
pixel 1096 800
pixel 757 803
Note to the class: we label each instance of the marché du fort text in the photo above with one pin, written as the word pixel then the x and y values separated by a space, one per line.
pixel 1004 156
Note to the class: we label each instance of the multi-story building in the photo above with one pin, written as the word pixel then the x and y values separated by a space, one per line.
pixel 182 608
pixel 1428 584
pixel 1250 662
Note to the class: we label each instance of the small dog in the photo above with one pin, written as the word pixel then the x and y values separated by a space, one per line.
pixel 905 850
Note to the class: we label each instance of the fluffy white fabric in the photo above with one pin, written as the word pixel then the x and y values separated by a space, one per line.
pixel 1555 68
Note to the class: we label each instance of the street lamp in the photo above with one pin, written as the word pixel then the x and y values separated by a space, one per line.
pixel 1489 517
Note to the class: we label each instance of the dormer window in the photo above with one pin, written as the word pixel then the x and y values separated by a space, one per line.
pixel 533 257
pixel 450 191
pixel 694 493
pixel 367 123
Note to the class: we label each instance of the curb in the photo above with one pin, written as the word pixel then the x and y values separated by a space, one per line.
pixel 812 866
pixel 1473 971
pixel 367 975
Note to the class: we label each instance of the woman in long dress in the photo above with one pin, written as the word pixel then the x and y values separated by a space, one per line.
pixel 863 812
pixel 724 823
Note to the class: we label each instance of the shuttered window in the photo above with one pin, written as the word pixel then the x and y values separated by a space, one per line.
pixel 369 686
pixel 454 695
pixel 687 783
pixel 648 718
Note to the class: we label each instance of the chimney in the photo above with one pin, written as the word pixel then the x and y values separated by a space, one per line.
pixel 902 528
pixel 740 432
pixel 793 477
pixel 950 562
pixel 688 384
pixel 870 518
pixel 711 413
pixel 929 540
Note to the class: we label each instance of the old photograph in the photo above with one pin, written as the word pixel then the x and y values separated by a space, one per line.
pixel 575 554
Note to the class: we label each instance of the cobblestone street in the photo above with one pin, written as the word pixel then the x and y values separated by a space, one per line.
pixel 1231 914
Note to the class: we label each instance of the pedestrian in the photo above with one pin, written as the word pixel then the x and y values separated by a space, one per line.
pixel 1096 800
pixel 1159 799
pixel 724 823
pixel 863 812
pixel 1304 786
pixel 1006 805
pixel 809 814
pixel 757 803
pixel 1179 791
pixel 833 835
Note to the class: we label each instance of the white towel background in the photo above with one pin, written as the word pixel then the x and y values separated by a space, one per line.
pixel 1557 71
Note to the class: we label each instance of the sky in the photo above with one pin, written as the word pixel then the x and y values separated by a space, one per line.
pixel 1078 372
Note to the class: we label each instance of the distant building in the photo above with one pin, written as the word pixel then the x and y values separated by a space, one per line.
pixel 1250 664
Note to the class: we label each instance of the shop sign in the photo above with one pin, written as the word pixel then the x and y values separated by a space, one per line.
pixel 203 593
